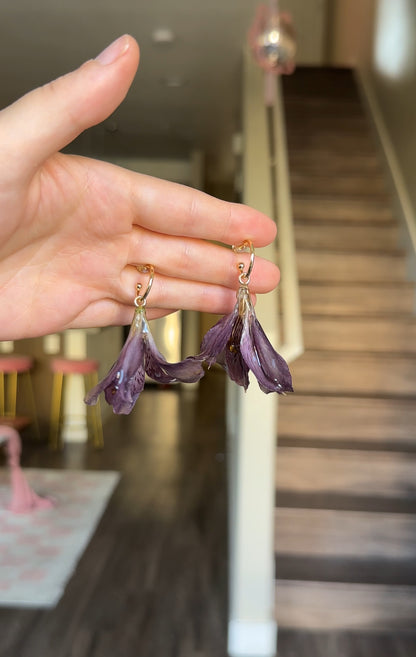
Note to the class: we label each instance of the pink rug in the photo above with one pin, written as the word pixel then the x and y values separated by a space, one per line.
pixel 40 550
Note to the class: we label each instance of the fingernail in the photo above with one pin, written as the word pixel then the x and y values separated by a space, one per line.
pixel 113 51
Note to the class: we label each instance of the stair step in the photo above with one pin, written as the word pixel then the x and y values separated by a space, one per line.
pixel 346 373
pixel 360 334
pixel 349 534
pixel 325 162
pixel 345 478
pixel 321 80
pixel 300 122
pixel 350 422
pixel 364 299
pixel 297 107
pixel 354 185
pixel 344 209
pixel 360 237
pixel 338 142
pixel 320 265
pixel 337 606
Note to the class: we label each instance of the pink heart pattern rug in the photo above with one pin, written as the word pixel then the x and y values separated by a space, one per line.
pixel 40 550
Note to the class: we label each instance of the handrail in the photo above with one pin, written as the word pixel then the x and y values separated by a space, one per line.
pixel 291 347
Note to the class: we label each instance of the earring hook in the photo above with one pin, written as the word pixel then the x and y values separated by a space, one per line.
pixel 245 247
pixel 140 300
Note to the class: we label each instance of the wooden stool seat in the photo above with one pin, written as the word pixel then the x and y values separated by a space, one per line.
pixel 72 366
pixel 88 369
pixel 15 363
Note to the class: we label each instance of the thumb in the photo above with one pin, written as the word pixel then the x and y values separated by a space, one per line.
pixel 50 117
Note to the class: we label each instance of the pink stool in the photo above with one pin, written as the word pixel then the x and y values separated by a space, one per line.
pixel 62 367
pixel 10 367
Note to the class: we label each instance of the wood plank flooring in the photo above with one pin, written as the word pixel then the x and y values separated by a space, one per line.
pixel 153 581
pixel 346 460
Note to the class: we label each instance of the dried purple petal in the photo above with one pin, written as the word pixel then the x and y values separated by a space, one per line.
pixel 235 365
pixel 139 356
pixel 267 365
pixel 238 343
pixel 186 371
pixel 215 340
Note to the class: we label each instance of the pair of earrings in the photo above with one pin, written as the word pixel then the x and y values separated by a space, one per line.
pixel 237 342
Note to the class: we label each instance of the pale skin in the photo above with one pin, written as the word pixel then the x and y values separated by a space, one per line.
pixel 72 228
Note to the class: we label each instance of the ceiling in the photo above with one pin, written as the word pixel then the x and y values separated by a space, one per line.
pixel 186 94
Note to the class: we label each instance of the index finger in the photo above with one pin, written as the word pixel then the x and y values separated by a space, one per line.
pixel 167 207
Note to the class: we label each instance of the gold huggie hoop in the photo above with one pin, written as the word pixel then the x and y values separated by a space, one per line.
pixel 140 300
pixel 245 247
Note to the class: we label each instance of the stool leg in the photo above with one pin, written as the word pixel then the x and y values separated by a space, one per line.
pixel 2 405
pixel 94 413
pixel 56 404
pixel 11 394
pixel 33 404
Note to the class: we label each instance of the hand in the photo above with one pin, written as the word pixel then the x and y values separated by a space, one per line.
pixel 72 228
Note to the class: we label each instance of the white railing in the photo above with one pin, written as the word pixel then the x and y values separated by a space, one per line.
pixel 291 343
pixel 252 416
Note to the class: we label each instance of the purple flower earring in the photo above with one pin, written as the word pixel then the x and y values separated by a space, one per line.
pixel 238 343
pixel 140 356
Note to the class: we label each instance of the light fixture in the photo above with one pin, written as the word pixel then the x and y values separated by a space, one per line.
pixel 272 39
pixel 163 35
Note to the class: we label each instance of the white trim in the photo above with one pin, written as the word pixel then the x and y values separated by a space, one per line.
pixel 252 638
pixel 405 204
pixel 292 345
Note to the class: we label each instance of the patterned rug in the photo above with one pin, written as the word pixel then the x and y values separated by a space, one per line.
pixel 39 551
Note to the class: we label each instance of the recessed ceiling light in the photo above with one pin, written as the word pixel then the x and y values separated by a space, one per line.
pixel 163 35
pixel 173 82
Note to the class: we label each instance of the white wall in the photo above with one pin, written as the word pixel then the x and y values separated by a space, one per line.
pixel 393 76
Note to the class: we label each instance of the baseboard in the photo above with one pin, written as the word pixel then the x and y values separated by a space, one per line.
pixel 252 638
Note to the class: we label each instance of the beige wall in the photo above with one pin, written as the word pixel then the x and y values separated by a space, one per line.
pixel 393 76
pixel 379 38
pixel 350 31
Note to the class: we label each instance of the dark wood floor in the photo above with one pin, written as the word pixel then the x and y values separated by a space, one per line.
pixel 153 581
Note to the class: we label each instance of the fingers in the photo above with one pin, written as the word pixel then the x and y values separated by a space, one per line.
pixel 48 118
pixel 170 292
pixel 193 259
pixel 167 207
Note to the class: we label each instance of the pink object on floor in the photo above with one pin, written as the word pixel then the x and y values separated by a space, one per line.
pixel 24 499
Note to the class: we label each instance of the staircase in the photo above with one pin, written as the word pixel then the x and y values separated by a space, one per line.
pixel 346 460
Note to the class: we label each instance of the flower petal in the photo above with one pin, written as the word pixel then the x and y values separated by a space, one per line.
pixel 215 340
pixel 189 370
pixel 125 380
pixel 123 397
pixel 235 366
pixel 270 369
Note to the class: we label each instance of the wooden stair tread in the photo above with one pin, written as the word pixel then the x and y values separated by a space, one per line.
pixel 325 162
pixel 374 335
pixel 347 209
pixel 327 420
pixel 352 473
pixel 347 237
pixel 333 605
pixel 349 373
pixel 351 534
pixel 321 265
pixel 333 141
pixel 354 185
pixel 350 298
